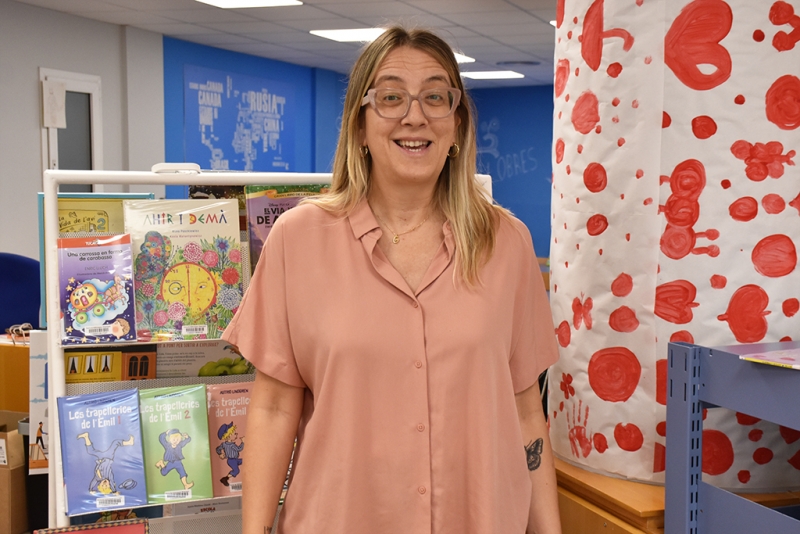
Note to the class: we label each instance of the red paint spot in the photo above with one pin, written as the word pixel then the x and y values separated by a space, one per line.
pixel 746 420
pixel 639 173
pixel 743 476
pixel 594 34
pixel 739 99
pixel 744 209
pixel 559 13
pixel 661 429
pixel 675 300
pixel 773 204
pixel 595 178
pixel 758 36
pixel 783 13
pixel 614 70
pixel 620 141
pixel 682 335
pixel 783 102
pixel 718 281
pixel 755 435
pixel 623 319
pixel 628 437
pixel 635 104
pixel 574 20
pixel 703 127
pixel 615 119
pixel 627 237
pixel 562 76
pixel 561 406
pixel 559 115
pixel 794 461
pixel 596 224
pixel 705 413
pixel 600 251
pixel 598 129
pixel 648 60
pixel 577 71
pixel 659 458
pixel 775 256
pixel 566 98
pixel 661 382
pixel 563 333
pixel 746 314
pixel 614 373
pixel 580 149
pixel 559 150
pixel 639 2
pixel 582 312
pixel 762 456
pixel 569 171
pixel 666 120
pixel 615 102
pixel 600 443
pixel 726 184
pixel 762 159
pixel 789 435
pixel 647 201
pixel 622 285
pixel 717 452
pixel 693 40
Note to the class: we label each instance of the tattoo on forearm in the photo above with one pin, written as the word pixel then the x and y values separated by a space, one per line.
pixel 533 451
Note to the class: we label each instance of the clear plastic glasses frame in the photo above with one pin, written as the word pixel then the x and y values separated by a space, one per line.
pixel 436 103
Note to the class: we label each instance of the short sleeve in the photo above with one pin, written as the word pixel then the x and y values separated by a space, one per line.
pixel 534 347
pixel 260 328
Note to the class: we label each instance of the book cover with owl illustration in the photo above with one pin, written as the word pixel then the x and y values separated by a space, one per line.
pixel 96 289
pixel 187 267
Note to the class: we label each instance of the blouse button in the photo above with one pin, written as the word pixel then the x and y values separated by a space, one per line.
pixel 417 364
pixel 416 304
pixel 422 490
pixel 420 427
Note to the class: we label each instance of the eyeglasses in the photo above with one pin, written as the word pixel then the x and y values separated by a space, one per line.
pixel 395 103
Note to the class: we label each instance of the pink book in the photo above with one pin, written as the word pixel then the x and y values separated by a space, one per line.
pixel 227 422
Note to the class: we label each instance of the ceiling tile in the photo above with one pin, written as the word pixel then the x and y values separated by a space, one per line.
pixel 158 5
pixel 204 15
pixel 462 6
pixel 499 18
pixel 253 26
pixel 286 13
pixel 127 17
pixel 380 9
pixel 74 6
pixel 409 21
pixel 219 39
pixel 176 29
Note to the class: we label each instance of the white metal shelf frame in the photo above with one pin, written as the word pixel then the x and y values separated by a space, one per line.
pixel 170 174
pixel 175 174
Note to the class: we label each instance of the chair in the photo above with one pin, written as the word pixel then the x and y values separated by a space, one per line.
pixel 19 290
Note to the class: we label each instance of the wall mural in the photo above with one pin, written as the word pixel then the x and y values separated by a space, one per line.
pixel 676 208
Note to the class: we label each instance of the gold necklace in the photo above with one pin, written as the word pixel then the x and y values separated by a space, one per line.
pixel 396 238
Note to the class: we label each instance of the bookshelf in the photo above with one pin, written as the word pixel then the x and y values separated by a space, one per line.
pixel 704 377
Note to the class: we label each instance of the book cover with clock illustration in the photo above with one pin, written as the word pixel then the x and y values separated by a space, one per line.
pixel 187 267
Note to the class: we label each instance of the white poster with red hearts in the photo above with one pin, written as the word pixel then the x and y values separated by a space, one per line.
pixel 676 208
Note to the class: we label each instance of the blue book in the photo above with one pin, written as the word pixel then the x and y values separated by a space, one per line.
pixel 101 444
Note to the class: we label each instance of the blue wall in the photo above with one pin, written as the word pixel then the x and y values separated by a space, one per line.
pixel 515 136
pixel 319 94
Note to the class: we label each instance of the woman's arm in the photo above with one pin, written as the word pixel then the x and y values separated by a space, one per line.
pixel 273 415
pixel 544 518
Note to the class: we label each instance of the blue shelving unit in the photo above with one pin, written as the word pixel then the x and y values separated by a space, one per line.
pixel 702 377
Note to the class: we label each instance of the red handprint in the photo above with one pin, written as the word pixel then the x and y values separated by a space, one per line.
pixel 579 441
pixel 783 13
pixel 762 159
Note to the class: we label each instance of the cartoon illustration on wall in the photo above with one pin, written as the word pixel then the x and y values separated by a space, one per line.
pixel 229 450
pixel 173 442
pixel 103 482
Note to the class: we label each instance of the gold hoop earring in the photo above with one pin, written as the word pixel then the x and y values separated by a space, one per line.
pixel 452 154
pixel 364 151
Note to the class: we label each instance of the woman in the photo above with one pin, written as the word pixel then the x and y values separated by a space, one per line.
pixel 398 325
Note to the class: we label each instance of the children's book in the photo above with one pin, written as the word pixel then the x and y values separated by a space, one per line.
pixel 213 357
pixel 223 191
pixel 101 444
pixel 227 425
pixel 187 267
pixel 787 358
pixel 265 203
pixel 92 366
pixel 96 289
pixel 175 434
pixel 39 448
pixel 139 364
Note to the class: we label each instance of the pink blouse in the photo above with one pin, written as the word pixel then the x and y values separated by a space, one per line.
pixel 410 423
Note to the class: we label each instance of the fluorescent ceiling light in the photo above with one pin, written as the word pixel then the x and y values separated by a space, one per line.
pixel 492 75
pixel 360 35
pixel 240 4
pixel 461 58
pixel 553 23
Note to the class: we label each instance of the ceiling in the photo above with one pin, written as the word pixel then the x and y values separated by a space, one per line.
pixel 491 31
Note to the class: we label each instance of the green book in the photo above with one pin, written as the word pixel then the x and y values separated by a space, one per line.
pixel 175 437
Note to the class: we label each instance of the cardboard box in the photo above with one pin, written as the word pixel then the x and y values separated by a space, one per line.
pixel 13 502
pixel 14 365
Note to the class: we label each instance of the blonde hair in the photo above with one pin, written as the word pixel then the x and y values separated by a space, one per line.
pixel 458 194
